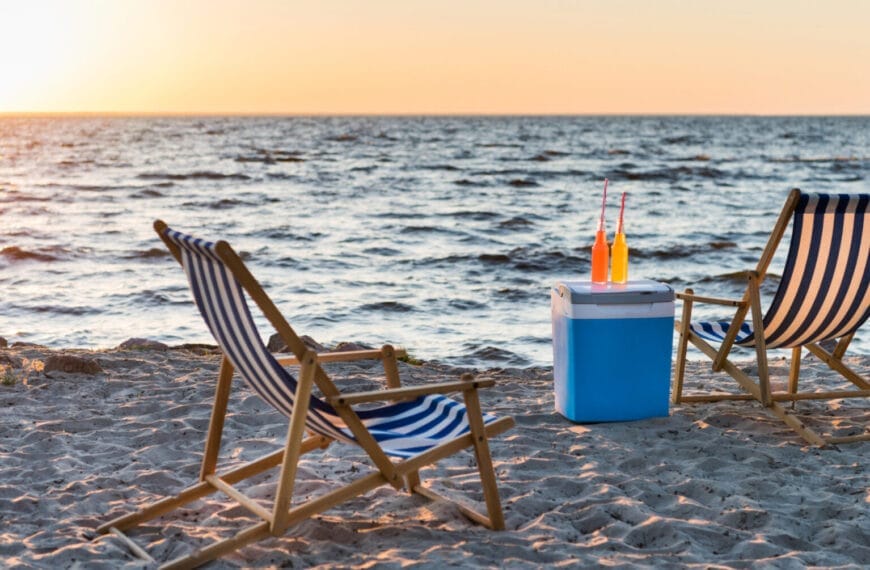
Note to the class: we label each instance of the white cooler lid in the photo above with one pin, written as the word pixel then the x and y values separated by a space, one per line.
pixel 637 291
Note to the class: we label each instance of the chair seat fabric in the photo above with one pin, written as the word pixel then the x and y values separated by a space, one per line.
pixel 715 331
pixel 407 428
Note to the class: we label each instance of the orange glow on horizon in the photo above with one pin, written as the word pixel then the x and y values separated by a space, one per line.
pixel 476 56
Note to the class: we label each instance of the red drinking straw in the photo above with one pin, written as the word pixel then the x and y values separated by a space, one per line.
pixel 603 203
pixel 621 211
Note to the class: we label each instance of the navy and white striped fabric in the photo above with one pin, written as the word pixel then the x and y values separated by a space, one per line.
pixel 825 288
pixel 403 429
pixel 715 331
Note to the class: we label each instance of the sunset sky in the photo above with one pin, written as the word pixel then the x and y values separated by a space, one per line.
pixel 444 56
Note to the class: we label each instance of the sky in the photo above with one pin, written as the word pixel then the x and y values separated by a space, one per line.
pixel 435 56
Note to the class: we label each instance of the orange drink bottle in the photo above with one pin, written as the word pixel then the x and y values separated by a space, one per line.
pixel 599 248
pixel 619 251
pixel 599 257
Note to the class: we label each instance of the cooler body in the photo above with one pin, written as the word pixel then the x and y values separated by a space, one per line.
pixel 612 349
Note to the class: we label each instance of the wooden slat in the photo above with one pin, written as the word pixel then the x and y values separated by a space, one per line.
pixel 132 546
pixel 484 460
pixel 391 369
pixel 682 327
pixel 794 370
pixel 344 356
pixel 842 345
pixel 412 479
pixel 295 433
pixel 160 227
pixel 780 396
pixel 731 335
pixel 216 423
pixel 849 439
pixel 714 397
pixel 409 392
pixel 466 510
pixel 837 364
pixel 689 295
pixel 778 231
pixel 760 345
pixel 239 497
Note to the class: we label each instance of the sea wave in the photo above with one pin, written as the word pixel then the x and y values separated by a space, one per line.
pixel 15 253
pixel 488 354
pixel 267 156
pixel 196 175
pixel 681 251
pixel 523 183
pixel 672 174
pixel 152 253
pixel 387 307
pixel 817 159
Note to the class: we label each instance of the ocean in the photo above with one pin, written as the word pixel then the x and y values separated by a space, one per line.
pixel 440 234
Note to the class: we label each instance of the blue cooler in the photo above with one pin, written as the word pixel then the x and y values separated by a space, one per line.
pixel 612 349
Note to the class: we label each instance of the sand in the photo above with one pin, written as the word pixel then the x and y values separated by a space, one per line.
pixel 721 485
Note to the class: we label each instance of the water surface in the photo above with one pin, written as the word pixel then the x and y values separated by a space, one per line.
pixel 440 234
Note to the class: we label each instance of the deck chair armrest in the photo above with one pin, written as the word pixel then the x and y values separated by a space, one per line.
pixel 345 356
pixel 408 393
pixel 711 300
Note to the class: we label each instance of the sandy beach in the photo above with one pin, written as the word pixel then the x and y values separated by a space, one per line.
pixel 722 485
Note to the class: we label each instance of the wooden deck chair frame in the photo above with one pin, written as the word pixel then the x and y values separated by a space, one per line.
pixel 400 474
pixel 760 389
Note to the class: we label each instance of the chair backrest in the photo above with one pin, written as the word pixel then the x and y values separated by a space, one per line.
pixel 824 292
pixel 222 302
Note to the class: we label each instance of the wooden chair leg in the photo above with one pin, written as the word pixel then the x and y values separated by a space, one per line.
pixel 484 460
pixel 391 369
pixel 794 372
pixel 412 480
pixel 293 448
pixel 216 423
pixel 842 345
pixel 760 345
pixel 682 347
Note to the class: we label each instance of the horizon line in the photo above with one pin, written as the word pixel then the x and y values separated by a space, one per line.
pixel 243 114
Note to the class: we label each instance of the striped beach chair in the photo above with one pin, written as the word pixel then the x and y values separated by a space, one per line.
pixel 824 295
pixel 416 427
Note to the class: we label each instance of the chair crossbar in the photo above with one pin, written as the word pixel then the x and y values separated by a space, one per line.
pixel 849 439
pixel 466 510
pixel 132 546
pixel 344 356
pixel 239 497
pixel 780 396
